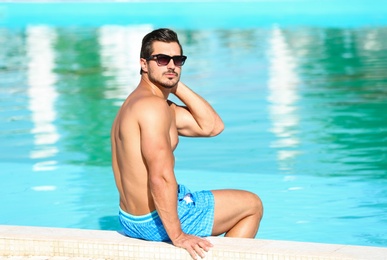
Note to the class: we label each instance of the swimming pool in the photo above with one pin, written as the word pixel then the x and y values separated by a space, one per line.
pixel 303 99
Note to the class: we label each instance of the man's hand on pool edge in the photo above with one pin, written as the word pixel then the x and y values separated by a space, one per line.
pixel 196 246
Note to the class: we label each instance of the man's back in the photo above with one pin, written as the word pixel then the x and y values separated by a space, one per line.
pixel 130 172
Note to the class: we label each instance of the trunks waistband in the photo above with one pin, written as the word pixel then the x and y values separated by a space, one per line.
pixel 139 219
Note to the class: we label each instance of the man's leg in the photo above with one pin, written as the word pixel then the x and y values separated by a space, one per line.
pixel 237 213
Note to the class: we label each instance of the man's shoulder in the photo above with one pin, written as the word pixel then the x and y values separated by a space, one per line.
pixel 148 103
pixel 143 107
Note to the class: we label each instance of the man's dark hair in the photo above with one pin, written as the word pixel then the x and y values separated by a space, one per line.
pixel 161 35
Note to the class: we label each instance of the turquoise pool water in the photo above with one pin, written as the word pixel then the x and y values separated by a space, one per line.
pixel 302 91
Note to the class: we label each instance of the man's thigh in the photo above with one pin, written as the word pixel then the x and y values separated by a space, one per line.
pixel 231 206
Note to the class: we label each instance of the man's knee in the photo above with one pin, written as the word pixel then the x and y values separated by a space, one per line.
pixel 256 205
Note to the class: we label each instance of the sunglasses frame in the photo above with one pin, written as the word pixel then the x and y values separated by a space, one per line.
pixel 174 58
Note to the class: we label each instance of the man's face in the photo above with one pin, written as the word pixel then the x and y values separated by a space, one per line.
pixel 165 76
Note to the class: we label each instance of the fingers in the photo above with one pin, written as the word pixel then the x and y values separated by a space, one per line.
pixel 205 244
pixel 193 253
pixel 195 246
pixel 198 249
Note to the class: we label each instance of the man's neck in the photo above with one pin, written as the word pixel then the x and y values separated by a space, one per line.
pixel 156 90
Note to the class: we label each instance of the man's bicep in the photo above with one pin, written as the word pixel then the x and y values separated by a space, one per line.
pixel 155 141
pixel 185 123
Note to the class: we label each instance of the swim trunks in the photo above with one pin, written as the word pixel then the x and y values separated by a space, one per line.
pixel 195 211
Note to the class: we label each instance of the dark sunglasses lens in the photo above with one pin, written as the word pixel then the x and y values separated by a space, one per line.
pixel 179 60
pixel 163 60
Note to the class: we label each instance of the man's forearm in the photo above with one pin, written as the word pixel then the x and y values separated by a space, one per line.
pixel 203 113
pixel 164 194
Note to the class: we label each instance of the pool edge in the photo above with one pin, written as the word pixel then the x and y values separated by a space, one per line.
pixel 102 244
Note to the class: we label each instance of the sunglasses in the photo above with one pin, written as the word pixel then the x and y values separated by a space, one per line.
pixel 163 60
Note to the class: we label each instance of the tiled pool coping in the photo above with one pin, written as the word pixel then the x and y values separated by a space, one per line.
pixel 51 243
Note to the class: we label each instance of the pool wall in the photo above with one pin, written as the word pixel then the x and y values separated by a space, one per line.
pixel 46 243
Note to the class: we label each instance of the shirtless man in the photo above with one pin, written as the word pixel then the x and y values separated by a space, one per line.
pixel 153 206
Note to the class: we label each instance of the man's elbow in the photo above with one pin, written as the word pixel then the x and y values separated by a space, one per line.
pixel 217 129
pixel 160 181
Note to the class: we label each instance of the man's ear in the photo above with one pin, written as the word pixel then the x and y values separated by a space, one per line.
pixel 144 65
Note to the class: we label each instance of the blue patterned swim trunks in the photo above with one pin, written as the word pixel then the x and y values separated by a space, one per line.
pixel 195 210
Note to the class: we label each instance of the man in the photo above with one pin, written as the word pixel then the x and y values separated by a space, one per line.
pixel 144 135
